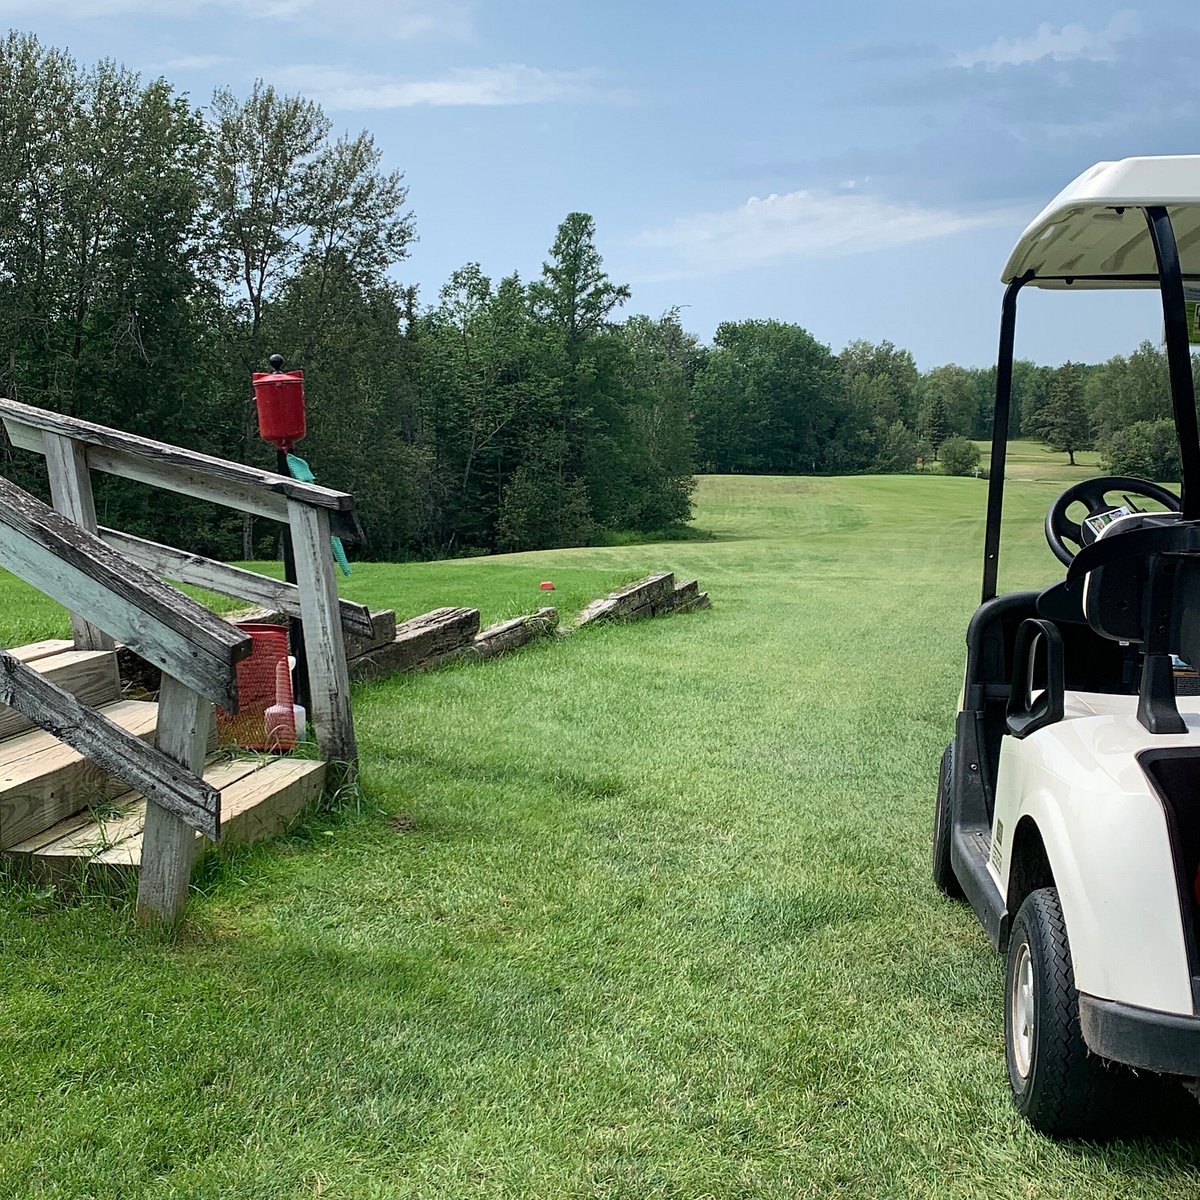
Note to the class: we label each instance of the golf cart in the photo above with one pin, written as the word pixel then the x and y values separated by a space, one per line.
pixel 1068 808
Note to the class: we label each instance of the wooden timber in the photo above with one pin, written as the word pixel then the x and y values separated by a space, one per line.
pixel 630 602
pixel 325 648
pixel 77 569
pixel 686 597
pixel 168 839
pixel 264 804
pixel 381 633
pixel 168 563
pixel 36 650
pixel 679 599
pixel 421 642
pixel 84 833
pixel 509 635
pixel 71 492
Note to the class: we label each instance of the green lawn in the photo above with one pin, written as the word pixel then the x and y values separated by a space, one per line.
pixel 642 913
pixel 1036 461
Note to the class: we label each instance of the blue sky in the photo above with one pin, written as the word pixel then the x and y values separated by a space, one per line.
pixel 861 169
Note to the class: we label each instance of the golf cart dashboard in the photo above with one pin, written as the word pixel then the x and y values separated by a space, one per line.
pixel 1097 523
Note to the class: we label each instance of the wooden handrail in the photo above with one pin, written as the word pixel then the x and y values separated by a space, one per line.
pixel 158 622
pixel 235 485
pixel 169 563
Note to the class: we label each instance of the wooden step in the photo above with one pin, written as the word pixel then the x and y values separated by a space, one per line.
pixel 259 799
pixel 36 650
pixel 89 674
pixel 42 780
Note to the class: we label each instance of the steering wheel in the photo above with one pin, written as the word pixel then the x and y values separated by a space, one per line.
pixel 1092 492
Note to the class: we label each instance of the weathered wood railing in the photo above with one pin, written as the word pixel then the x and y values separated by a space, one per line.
pixel 74 448
pixel 110 582
pixel 196 651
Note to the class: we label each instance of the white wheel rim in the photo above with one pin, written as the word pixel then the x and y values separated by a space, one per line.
pixel 1022 1016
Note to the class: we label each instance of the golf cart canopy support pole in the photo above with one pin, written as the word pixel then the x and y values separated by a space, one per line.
pixel 1004 365
pixel 1179 356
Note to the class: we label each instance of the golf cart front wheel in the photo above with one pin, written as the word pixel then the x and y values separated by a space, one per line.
pixel 1062 1089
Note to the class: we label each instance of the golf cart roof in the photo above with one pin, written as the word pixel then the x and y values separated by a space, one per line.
pixel 1093 234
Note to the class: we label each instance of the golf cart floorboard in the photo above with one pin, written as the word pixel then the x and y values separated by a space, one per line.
pixel 970 850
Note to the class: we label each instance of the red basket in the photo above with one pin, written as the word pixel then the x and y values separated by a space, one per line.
pixel 264 717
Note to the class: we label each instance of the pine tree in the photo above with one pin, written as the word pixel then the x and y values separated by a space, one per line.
pixel 1064 423
pixel 936 422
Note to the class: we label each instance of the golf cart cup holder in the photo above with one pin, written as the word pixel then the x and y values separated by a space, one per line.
pixel 1039 678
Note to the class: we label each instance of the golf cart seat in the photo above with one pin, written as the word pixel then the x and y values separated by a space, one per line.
pixel 1140 585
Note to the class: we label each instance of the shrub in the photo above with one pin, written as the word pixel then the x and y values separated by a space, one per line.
pixel 897 450
pixel 959 456
pixel 1148 449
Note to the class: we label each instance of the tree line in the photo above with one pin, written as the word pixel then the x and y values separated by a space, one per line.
pixel 153 254
pixel 770 399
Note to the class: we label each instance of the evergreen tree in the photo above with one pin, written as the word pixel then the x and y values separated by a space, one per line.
pixel 574 294
pixel 1063 423
pixel 936 423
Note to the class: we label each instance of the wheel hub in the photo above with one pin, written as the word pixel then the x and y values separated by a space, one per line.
pixel 1022 1017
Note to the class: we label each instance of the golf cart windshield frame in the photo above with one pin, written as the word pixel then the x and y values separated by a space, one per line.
pixel 1179 364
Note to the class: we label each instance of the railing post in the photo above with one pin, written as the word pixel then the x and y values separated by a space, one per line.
pixel 71 491
pixel 328 672
pixel 168 842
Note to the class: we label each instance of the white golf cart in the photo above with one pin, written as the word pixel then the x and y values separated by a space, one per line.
pixel 1068 809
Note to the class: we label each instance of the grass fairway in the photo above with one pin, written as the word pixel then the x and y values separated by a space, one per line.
pixel 646 913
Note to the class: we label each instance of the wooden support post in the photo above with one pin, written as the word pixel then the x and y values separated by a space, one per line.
pixel 328 674
pixel 71 491
pixel 169 843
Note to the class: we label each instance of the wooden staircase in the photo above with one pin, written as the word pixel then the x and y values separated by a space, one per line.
pixel 62 815
pixel 116 588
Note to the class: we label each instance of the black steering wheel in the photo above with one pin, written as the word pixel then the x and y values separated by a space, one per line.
pixel 1092 492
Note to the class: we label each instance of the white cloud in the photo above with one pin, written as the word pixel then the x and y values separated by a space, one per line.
pixel 1071 41
pixel 490 87
pixel 392 18
pixel 804 224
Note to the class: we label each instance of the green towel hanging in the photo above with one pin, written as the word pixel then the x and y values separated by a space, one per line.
pixel 302 471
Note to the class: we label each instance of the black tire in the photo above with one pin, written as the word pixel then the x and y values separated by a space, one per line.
pixel 1058 1085
pixel 943 827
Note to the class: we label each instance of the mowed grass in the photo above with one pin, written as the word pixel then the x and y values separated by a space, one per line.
pixel 645 912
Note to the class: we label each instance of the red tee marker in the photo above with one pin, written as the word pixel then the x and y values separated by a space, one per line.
pixel 546 586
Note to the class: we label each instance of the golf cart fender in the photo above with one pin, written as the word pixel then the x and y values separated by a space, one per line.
pixel 1106 841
